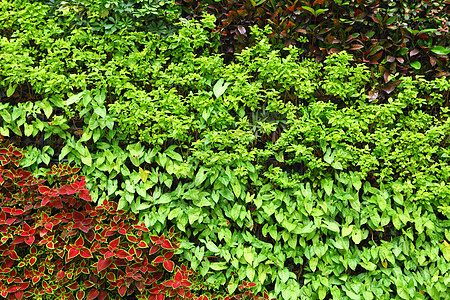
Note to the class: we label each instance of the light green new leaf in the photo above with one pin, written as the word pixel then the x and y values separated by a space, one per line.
pixel 220 87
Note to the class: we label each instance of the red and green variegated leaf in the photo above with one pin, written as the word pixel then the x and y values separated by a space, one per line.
pixel 132 238
pixel 178 276
pixel 251 284
pixel 80 295
pixel 74 286
pixel 85 253
pixel 24 285
pixel 32 260
pixel 186 283
pixel 13 288
pixel 114 244
pixel 60 275
pixel 154 249
pixel 103 295
pixel 44 190
pixel 19 295
pixel 160 297
pixel 111 277
pixel 29 240
pixel 93 293
pixel 50 245
pixel 181 292
pixel 122 253
pixel 168 255
pixel 122 290
pixel 13 255
pixel 168 245
pixel 158 260
pixel 35 279
pixel 84 194
pixel 168 265
pixel 79 243
pixel 73 253
pixel 103 264
pixel 156 239
pixel 168 283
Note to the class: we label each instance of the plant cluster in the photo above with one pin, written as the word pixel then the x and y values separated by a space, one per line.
pixel 276 171
pixel 56 245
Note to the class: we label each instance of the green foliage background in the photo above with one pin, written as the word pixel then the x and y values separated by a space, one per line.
pixel 276 169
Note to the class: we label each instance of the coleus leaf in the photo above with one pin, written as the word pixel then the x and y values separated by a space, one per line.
pixel 80 295
pixel 85 253
pixel 103 264
pixel 93 293
pixel 73 253
pixel 122 290
pixel 74 286
pixel 168 255
pixel 79 243
pixel 169 265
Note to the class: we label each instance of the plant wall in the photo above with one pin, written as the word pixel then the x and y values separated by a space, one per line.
pixel 277 173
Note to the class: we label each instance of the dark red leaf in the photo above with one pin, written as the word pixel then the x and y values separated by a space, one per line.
pixel 19 295
pixel 103 264
pixel 93 293
pixel 85 253
pixel 432 61
pixel 386 76
pixel 44 190
pixel 167 245
pixel 80 295
pixel 79 243
pixel 60 275
pixel 122 290
pixel 154 249
pixel 74 286
pixel 158 260
pixel 73 253
pixel 168 255
pixel 169 265
pixel 84 194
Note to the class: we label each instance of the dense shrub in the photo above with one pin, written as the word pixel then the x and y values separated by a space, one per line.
pixel 295 175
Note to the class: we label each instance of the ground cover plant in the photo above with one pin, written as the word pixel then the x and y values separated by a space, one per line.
pixel 277 172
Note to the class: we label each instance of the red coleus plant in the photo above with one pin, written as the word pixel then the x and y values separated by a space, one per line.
pixel 54 242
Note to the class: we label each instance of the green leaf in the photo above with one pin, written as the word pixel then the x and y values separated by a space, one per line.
pixel 416 65
pixel 346 230
pixel 440 50
pixel 200 177
pixel 445 248
pixel 283 274
pixel 11 89
pixel 236 186
pixel 75 98
pixel 248 255
pixel 220 87
pixel 212 247
pixel 327 185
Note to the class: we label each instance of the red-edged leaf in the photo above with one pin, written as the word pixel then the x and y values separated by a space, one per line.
pixel 73 253
pixel 122 290
pixel 168 265
pixel 93 293
pixel 80 295
pixel 85 253
pixel 79 243
pixel 103 264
